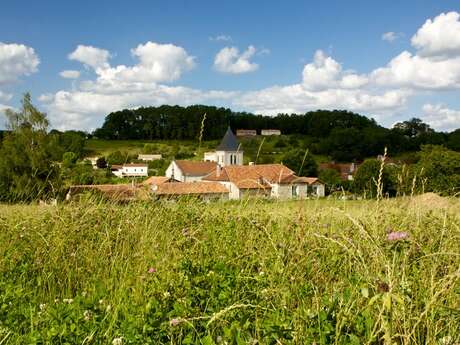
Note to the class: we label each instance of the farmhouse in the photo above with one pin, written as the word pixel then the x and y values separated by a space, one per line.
pixel 228 152
pixel 189 171
pixel 149 158
pixel 202 190
pixel 130 170
pixel 246 132
pixel 270 180
pixel 270 132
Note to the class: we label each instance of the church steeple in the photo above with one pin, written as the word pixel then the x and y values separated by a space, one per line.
pixel 229 142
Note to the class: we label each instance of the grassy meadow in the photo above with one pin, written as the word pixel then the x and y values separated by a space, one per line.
pixel 247 272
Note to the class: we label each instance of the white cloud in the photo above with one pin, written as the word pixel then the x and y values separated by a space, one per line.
pixel 16 60
pixel 221 38
pixel 5 97
pixel 70 74
pixel 436 63
pixel 414 71
pixel 440 117
pixel 229 60
pixel 439 37
pixel 91 56
pixel 390 36
pixel 123 86
pixel 326 73
pixel 157 63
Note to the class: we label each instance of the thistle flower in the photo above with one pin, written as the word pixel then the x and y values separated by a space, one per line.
pixel 175 322
pixel 152 270
pixel 397 236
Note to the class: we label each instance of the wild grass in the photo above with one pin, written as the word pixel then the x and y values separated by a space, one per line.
pixel 300 272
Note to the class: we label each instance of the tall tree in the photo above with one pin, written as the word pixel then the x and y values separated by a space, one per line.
pixel 26 168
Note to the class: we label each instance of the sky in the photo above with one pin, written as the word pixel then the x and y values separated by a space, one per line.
pixel 389 60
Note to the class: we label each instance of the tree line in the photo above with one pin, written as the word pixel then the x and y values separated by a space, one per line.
pixel 342 135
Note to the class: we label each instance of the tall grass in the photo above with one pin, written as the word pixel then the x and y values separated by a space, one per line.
pixel 317 271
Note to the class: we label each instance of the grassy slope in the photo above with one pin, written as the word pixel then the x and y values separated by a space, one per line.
pixel 294 272
pixel 249 145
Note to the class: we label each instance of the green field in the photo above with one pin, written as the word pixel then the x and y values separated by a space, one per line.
pixel 269 149
pixel 248 272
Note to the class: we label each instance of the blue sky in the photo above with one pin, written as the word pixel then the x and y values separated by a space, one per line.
pixel 258 56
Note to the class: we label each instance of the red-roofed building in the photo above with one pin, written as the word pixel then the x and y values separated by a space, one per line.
pixel 274 180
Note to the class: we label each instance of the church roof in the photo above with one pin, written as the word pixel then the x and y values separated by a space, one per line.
pixel 229 142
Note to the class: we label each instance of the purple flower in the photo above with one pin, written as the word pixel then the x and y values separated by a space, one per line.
pixel 152 270
pixel 397 236
pixel 174 322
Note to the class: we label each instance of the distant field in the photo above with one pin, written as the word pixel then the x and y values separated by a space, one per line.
pixel 247 272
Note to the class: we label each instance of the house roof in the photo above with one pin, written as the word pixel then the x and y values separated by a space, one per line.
pixel 191 188
pixel 196 168
pixel 156 180
pixel 122 192
pixel 229 142
pixel 135 165
pixel 344 169
pixel 252 176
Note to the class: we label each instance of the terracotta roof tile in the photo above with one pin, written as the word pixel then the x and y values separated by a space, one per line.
pixel 114 191
pixel 196 168
pixel 190 188
pixel 252 176
pixel 156 180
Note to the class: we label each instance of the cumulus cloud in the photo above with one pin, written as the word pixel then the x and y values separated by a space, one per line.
pixel 230 60
pixel 326 73
pixel 439 37
pixel 70 74
pixel 91 56
pixel 16 60
pixel 123 86
pixel 436 63
pixel 440 117
pixel 221 38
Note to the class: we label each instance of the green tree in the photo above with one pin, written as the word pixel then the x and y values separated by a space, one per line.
pixel 301 163
pixel 26 168
pixel 69 159
pixel 367 177
pixel 331 178
pixel 440 168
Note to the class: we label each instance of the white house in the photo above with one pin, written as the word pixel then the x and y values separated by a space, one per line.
pixel 268 180
pixel 270 132
pixel 228 152
pixel 189 171
pixel 130 170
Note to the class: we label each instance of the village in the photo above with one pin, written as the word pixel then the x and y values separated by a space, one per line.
pixel 220 175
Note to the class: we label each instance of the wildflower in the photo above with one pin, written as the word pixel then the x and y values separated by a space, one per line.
pixel 152 270
pixel 175 322
pixel 42 306
pixel 117 341
pixel 56 300
pixel 219 339
pixel 87 315
pixel 261 273
pixel 68 300
pixel 108 308
pixel 397 236
pixel 84 293
pixel 166 294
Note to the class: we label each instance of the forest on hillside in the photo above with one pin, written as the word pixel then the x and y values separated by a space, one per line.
pixel 343 135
